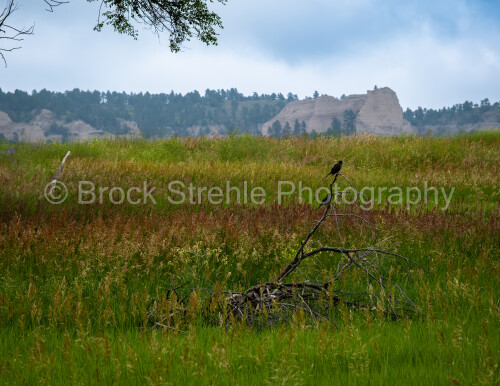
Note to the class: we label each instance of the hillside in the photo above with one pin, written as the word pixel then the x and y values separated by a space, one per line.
pixel 462 117
pixel 77 115
pixel 46 127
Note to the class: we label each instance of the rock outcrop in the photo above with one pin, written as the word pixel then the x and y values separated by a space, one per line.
pixel 378 112
pixel 382 114
pixel 40 129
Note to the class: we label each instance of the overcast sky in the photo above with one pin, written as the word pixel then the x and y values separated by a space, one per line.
pixel 432 53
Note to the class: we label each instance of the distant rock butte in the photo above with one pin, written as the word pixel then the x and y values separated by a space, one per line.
pixel 378 112
pixel 35 130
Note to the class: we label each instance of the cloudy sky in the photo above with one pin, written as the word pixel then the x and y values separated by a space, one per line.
pixel 432 53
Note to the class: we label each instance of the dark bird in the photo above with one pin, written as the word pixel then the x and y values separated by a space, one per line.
pixel 335 169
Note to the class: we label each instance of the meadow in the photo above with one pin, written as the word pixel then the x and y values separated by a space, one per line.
pixel 78 280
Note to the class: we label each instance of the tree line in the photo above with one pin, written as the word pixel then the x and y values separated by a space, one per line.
pixel 191 114
pixel 157 115
pixel 460 114
pixel 336 129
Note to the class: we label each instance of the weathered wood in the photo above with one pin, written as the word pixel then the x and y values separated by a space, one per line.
pixel 58 173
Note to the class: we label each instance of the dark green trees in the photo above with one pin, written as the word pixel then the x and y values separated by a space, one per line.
pixel 460 114
pixel 287 130
pixel 296 127
pixel 275 130
pixel 335 127
pixel 157 115
pixel 348 128
pixel 299 129
pixel 349 122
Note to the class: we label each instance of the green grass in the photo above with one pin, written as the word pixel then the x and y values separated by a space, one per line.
pixel 467 164
pixel 76 281
pixel 364 353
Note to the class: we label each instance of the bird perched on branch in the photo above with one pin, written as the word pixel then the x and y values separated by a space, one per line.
pixel 335 169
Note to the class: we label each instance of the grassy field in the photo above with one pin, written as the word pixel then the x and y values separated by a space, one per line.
pixel 77 280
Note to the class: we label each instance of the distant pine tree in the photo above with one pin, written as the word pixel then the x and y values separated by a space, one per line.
pixel 296 128
pixel 335 127
pixel 287 130
pixel 275 130
pixel 349 122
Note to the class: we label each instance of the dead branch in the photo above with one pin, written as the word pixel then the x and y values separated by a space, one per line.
pixel 10 33
pixel 316 300
pixel 58 173
pixel 277 301
pixel 53 3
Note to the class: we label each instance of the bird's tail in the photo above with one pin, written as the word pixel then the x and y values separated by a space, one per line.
pixel 328 174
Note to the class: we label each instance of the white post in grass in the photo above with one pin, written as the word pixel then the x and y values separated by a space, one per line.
pixel 58 173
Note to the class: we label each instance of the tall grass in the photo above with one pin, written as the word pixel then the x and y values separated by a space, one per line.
pixel 468 164
pixel 77 281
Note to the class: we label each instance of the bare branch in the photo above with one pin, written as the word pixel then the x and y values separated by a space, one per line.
pixel 53 3
pixel 9 32
pixel 276 302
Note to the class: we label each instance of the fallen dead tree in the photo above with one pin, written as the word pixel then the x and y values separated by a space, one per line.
pixel 278 300
pixel 372 279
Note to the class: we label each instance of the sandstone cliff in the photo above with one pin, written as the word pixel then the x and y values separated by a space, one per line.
pixel 39 129
pixel 377 112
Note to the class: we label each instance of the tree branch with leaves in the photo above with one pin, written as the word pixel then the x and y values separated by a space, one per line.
pixel 182 19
